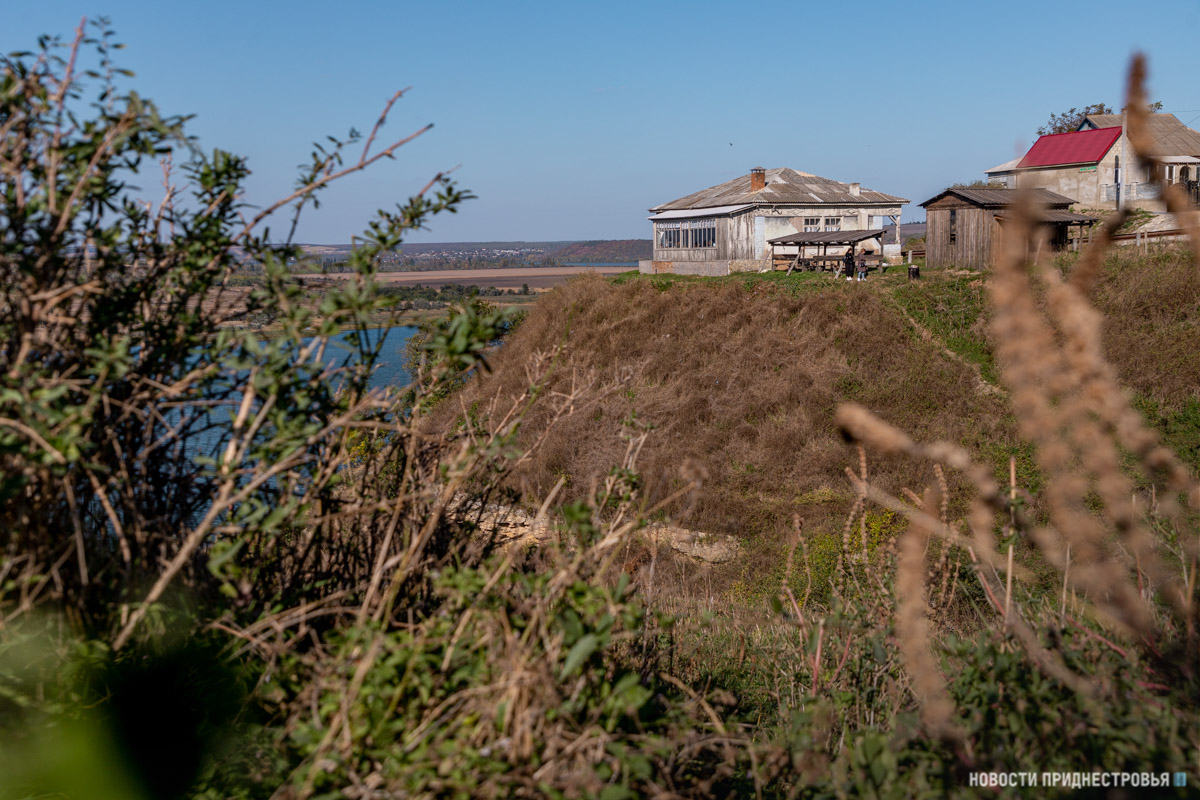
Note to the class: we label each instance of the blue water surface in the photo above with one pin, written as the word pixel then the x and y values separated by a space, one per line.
pixel 389 369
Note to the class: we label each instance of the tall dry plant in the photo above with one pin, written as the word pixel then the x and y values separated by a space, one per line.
pixel 1120 526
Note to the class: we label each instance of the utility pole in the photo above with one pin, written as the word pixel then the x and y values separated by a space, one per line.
pixel 1120 176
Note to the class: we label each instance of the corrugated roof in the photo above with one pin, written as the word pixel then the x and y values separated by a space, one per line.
pixel 1079 147
pixel 1172 136
pixel 1056 215
pixel 1002 198
pixel 826 237
pixel 715 211
pixel 784 187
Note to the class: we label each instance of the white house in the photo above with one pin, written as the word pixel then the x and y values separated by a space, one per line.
pixel 726 228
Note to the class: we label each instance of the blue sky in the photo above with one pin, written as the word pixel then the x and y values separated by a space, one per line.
pixel 569 120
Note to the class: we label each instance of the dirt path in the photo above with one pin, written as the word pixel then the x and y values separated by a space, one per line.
pixel 981 385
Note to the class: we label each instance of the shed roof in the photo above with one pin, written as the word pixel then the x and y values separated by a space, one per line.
pixel 1058 215
pixel 827 237
pixel 784 186
pixel 1077 147
pixel 1002 198
pixel 1172 136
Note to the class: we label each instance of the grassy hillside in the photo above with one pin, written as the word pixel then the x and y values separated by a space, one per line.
pixel 1151 317
pixel 1151 330
pixel 739 378
pixel 743 380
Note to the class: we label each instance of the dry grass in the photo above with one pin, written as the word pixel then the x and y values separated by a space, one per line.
pixel 1151 309
pixel 742 381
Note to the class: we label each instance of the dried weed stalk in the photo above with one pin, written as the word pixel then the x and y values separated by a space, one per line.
pixel 912 628
pixel 1071 407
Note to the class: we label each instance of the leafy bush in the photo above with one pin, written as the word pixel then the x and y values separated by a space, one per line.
pixel 171 479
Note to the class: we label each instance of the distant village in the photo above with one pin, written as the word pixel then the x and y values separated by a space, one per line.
pixel 478 255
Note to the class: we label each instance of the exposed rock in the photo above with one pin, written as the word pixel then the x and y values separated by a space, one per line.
pixel 714 548
pixel 512 525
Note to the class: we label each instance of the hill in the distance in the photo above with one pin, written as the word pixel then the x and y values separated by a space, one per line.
pixel 908 230
pixel 615 250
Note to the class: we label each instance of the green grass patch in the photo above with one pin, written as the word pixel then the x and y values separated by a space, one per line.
pixel 954 309
pixel 1179 429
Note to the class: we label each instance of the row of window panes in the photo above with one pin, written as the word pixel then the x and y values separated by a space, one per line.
pixel 813 224
pixel 688 233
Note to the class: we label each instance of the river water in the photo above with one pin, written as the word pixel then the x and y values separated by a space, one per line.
pixel 209 438
pixel 389 369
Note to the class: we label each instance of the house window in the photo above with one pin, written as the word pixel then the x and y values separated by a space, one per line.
pixel 692 233
pixel 833 223
pixel 812 224
pixel 953 225
pixel 668 234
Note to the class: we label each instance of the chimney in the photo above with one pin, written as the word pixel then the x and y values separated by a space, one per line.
pixel 758 179
pixel 855 189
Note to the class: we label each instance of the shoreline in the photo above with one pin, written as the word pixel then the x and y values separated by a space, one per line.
pixel 412 318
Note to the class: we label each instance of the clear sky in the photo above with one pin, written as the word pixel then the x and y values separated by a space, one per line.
pixel 569 120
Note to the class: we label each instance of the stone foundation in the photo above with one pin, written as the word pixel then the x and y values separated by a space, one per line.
pixel 709 269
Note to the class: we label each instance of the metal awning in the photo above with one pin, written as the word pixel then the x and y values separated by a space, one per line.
pixel 696 213
pixel 827 237
pixel 1179 159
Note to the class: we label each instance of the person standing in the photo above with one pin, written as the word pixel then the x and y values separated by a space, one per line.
pixel 862 265
pixel 848 263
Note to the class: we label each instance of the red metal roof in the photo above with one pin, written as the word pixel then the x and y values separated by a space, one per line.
pixel 1079 147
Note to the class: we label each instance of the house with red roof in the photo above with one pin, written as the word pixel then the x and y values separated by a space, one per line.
pixel 1096 167
pixel 1076 165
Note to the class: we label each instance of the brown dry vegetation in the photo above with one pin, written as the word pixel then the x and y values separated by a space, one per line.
pixel 1151 308
pixel 742 381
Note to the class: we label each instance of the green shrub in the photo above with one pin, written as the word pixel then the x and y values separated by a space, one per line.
pixel 170 478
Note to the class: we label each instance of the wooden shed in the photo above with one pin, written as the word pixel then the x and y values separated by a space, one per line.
pixel 962 227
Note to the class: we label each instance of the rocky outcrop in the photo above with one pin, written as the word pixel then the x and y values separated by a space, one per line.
pixel 512 525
